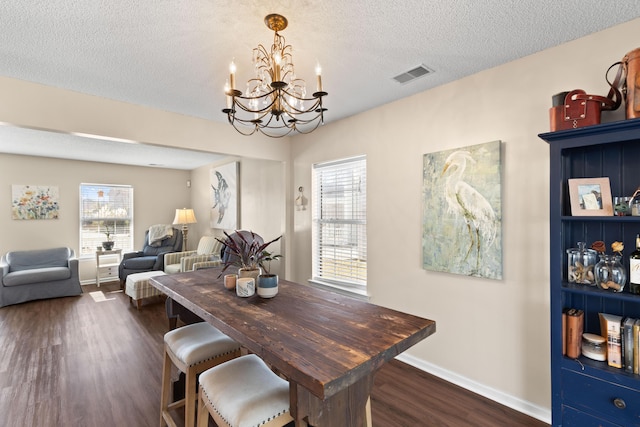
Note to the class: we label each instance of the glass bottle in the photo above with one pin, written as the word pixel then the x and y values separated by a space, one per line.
pixel 610 274
pixel 634 268
pixel 580 264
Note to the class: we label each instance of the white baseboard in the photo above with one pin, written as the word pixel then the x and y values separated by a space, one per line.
pixel 535 411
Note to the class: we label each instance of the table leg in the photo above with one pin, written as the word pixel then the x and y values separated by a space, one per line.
pixel 296 406
pixel 349 407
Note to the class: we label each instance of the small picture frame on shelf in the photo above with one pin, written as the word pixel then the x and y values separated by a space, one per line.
pixel 590 197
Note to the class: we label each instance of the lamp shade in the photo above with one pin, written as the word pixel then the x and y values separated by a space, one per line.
pixel 184 216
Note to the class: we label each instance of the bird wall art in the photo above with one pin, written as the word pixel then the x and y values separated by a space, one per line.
pixel 461 226
pixel 224 196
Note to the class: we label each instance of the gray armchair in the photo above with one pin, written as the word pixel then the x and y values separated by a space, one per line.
pixel 151 257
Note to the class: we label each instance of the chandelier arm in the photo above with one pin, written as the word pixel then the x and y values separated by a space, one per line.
pixel 307 121
pixel 267 124
pixel 265 109
pixel 287 52
pixel 275 135
pixel 315 98
pixel 293 109
pixel 316 101
pixel 252 98
pixel 304 132
pixel 257 125
pixel 289 72
pixel 233 120
pixel 261 51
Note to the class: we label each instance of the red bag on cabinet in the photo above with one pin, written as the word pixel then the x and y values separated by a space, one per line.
pixel 579 109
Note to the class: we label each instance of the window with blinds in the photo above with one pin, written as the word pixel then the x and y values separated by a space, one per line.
pixel 340 222
pixel 105 207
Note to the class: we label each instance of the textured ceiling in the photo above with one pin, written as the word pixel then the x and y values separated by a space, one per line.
pixel 173 54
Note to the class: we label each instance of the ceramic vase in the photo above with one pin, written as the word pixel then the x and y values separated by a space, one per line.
pixel 267 285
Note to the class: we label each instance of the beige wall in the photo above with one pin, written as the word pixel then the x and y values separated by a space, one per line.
pixel 262 202
pixel 492 335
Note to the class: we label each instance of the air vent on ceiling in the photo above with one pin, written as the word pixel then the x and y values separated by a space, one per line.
pixel 412 74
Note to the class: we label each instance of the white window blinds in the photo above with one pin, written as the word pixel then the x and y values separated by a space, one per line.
pixel 105 207
pixel 340 222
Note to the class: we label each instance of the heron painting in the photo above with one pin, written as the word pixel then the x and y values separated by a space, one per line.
pixel 461 220
pixel 224 196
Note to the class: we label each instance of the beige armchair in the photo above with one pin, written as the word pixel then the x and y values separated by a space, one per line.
pixel 207 264
pixel 208 250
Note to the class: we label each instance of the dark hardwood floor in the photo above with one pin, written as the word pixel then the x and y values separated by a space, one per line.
pixel 95 360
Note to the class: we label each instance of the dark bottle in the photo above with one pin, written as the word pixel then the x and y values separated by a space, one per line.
pixel 634 268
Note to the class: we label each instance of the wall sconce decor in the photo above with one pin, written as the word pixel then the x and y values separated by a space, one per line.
pixel 301 201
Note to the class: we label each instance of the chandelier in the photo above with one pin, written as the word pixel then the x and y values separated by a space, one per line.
pixel 275 102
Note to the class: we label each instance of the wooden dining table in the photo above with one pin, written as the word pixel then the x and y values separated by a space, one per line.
pixel 327 345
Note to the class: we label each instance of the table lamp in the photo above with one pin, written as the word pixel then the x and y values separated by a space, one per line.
pixel 184 217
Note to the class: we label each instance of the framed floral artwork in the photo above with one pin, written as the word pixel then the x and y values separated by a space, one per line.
pixel 34 202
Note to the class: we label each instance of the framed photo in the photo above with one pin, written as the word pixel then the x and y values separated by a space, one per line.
pixel 590 197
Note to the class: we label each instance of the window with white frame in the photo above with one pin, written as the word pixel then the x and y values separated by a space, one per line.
pixel 340 223
pixel 103 208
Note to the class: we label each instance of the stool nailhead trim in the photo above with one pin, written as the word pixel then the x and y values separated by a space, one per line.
pixel 227 421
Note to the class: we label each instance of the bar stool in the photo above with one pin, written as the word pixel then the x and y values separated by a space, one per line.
pixel 243 392
pixel 192 349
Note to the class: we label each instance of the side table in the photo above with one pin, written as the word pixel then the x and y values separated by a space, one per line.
pixel 107 269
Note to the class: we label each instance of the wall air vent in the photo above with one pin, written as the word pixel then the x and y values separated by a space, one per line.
pixel 412 74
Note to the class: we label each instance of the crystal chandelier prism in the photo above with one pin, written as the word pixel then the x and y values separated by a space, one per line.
pixel 275 102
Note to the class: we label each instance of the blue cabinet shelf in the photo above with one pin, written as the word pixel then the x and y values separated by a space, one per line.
pixel 586 392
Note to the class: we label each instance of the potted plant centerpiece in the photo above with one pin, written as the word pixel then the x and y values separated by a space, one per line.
pixel 108 244
pixel 267 285
pixel 247 252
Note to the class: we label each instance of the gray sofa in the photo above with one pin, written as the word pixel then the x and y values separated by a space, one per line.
pixel 38 274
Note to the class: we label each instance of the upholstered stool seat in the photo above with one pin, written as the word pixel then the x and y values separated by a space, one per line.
pixel 138 287
pixel 192 349
pixel 243 392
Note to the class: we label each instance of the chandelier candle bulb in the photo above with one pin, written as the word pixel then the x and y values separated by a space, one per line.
pixel 227 91
pixel 276 66
pixel 318 73
pixel 232 74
